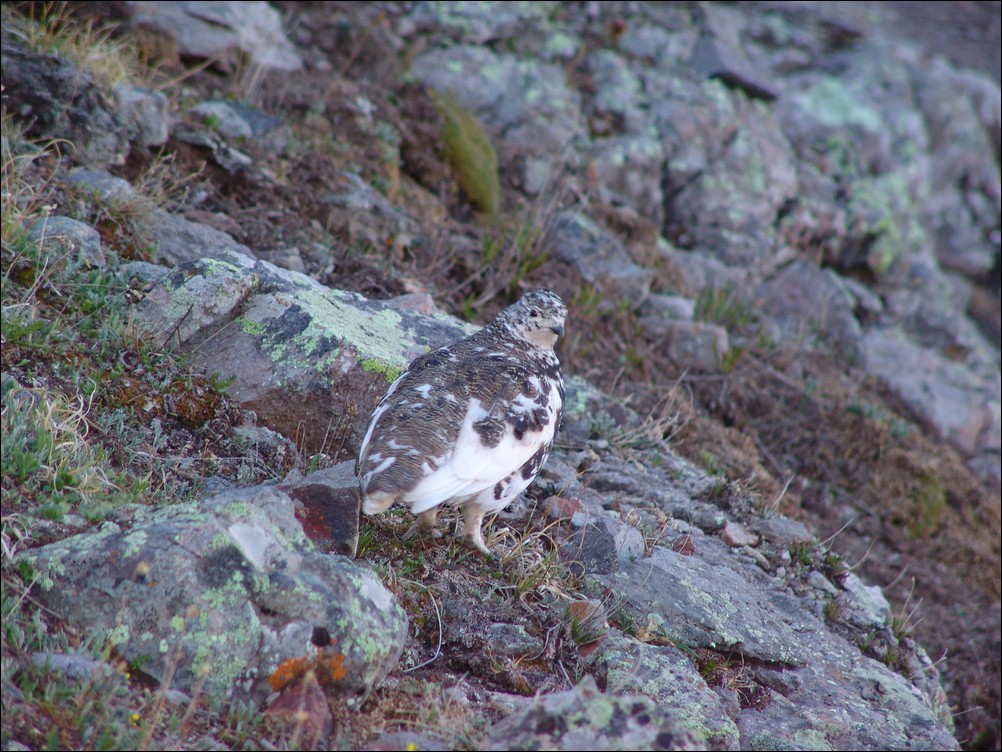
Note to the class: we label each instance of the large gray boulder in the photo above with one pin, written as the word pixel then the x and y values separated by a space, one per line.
pixel 221 591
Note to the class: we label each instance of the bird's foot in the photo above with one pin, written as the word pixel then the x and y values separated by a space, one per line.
pixel 425 525
pixel 416 529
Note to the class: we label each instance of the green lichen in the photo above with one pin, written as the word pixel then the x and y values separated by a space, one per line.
pixel 227 596
pixel 882 208
pixel 119 635
pixel 390 372
pixel 832 104
pixel 134 543
pixel 251 327
pixel 237 510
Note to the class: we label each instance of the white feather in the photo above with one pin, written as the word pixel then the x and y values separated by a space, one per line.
pixel 472 469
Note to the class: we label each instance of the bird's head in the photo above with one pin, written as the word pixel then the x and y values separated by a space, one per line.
pixel 538 318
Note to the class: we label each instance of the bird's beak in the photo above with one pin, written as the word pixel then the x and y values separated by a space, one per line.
pixel 558 330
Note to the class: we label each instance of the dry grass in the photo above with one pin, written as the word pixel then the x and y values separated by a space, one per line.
pixel 52 28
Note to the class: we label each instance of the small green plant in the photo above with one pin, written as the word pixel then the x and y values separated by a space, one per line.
pixel 833 609
pixel 725 307
pixel 803 554
pixel 711 463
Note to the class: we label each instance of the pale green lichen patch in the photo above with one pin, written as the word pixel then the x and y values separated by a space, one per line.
pixel 134 543
pixel 832 104
pixel 310 332
pixel 251 327
pixel 119 635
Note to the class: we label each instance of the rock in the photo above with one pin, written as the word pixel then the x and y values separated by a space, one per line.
pixel 806 303
pixel 365 217
pixel 966 197
pixel 304 708
pixel 618 91
pixel 219 149
pixel 198 297
pixel 585 719
pixel 222 117
pixel 782 532
pixel 221 591
pixel 715 601
pixel 327 506
pixel 527 101
pixel 311 362
pixel 661 306
pixel 236 121
pixel 218 30
pixel 58 236
pixel 674 591
pixel 146 114
pixel 715 59
pixel 600 544
pixel 693 345
pixel 599 258
pixel 668 676
pixel 942 394
pixel 729 172
pixel 631 169
pixel 76 667
pixel 178 240
pixel 55 99
pixel 108 189
pixel 882 182
pixel 737 535
pixel 478 24
pixel 512 640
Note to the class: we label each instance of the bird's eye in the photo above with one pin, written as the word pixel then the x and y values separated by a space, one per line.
pixel 533 313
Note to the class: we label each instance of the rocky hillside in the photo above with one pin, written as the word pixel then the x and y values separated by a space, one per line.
pixel 772 517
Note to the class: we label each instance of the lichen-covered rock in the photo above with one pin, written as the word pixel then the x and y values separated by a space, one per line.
pixel 943 394
pixel 221 591
pixel 583 718
pixel 311 361
pixel 718 601
pixel 668 676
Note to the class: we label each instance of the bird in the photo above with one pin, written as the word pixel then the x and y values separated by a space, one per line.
pixel 469 424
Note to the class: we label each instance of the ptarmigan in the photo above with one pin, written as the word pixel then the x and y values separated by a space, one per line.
pixel 469 424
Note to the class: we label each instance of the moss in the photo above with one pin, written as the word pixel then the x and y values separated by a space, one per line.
pixel 928 504
pixel 468 150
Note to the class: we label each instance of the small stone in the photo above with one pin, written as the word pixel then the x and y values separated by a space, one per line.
pixel 737 535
